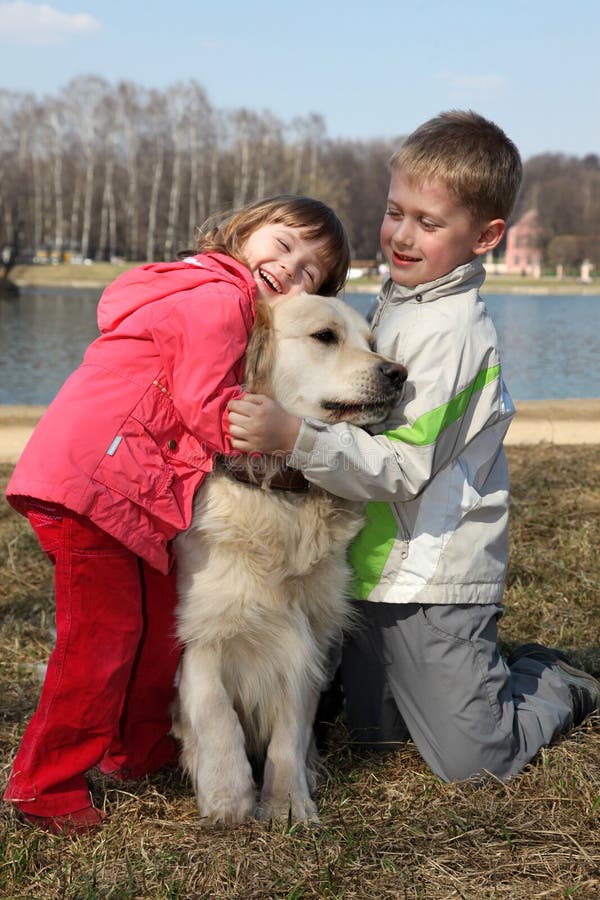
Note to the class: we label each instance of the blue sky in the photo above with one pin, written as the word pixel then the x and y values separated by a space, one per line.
pixel 371 69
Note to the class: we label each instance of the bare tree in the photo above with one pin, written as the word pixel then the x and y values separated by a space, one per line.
pixel 130 112
pixel 157 119
pixel 10 142
pixel 26 166
pixel 215 151
pixel 179 143
pixel 56 124
pixel 76 210
pixel 199 135
pixel 86 100
pixel 265 168
pixel 315 136
pixel 107 238
pixel 37 178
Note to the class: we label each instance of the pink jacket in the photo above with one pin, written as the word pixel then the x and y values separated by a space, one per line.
pixel 135 429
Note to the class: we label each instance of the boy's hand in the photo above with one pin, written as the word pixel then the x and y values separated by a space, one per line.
pixel 259 424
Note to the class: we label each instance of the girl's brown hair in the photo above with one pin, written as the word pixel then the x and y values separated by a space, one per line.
pixel 314 219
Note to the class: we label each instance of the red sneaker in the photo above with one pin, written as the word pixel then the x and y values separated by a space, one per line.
pixel 82 821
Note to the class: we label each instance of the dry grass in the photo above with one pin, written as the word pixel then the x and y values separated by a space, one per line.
pixel 389 828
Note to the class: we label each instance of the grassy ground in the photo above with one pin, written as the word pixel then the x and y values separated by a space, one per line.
pixel 103 273
pixel 97 273
pixel 389 828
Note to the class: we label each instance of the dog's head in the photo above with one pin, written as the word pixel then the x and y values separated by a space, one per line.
pixel 315 356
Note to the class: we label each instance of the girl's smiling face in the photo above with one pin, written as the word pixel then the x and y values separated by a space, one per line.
pixel 283 261
pixel 426 232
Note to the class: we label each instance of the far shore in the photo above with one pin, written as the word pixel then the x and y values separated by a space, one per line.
pixel 97 275
pixel 536 421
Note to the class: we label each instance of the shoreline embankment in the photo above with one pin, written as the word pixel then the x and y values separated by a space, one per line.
pixel 537 421
pixel 97 275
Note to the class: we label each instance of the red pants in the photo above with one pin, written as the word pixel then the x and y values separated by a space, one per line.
pixel 109 682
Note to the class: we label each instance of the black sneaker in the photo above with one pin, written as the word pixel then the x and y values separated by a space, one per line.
pixel 584 688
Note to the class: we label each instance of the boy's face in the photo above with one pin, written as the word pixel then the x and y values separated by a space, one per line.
pixel 425 232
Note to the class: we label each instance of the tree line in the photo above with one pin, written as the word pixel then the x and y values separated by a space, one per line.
pixel 104 171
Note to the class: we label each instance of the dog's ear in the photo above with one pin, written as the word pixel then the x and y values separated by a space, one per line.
pixel 260 352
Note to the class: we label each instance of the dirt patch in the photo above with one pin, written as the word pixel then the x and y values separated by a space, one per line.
pixel 556 422
pixel 543 421
pixel 16 425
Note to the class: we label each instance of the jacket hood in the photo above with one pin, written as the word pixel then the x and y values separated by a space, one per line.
pixel 471 275
pixel 146 284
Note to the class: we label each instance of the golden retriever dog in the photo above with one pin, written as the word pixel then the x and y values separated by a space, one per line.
pixel 263 575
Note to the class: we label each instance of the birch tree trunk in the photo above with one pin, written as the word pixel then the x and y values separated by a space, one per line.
pixel 241 181
pixel 128 115
pixel 86 224
pixel 154 194
pixel 75 213
pixel 216 148
pixel 194 191
pixel 316 136
pixel 38 235
pixel 198 134
pixel 158 127
pixel 105 249
pixel 56 125
pixel 87 99
pixel 297 154
pixel 179 135
pixel 263 161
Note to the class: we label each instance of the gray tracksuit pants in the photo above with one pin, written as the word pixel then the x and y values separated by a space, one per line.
pixel 435 674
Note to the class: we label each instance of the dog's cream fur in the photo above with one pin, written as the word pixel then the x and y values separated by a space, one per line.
pixel 263 577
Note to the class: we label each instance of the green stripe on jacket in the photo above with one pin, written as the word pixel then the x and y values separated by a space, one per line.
pixel 370 550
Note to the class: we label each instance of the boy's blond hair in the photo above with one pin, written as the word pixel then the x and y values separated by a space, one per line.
pixel 471 156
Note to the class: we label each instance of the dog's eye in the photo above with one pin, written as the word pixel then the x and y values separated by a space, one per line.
pixel 325 337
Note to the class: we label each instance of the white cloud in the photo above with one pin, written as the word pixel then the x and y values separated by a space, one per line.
pixel 482 84
pixel 40 23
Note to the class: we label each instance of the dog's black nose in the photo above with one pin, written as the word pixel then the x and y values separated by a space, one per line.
pixel 396 372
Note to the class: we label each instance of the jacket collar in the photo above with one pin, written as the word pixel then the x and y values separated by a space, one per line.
pixel 469 276
pixel 143 285
pixel 220 263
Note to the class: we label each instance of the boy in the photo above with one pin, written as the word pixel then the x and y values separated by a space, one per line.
pixel 431 561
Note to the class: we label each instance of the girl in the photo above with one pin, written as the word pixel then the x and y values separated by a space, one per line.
pixel 108 478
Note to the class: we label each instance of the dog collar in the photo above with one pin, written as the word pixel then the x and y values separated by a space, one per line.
pixel 264 472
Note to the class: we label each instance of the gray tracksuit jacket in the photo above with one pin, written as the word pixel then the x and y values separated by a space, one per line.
pixel 436 474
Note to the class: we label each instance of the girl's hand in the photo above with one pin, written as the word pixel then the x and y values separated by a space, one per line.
pixel 259 424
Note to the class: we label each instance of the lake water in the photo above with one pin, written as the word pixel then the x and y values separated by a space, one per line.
pixel 550 344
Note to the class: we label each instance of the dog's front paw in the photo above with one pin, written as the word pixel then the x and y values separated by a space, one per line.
pixel 222 807
pixel 300 807
pixel 225 791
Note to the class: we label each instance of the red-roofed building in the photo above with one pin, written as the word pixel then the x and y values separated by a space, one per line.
pixel 523 251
